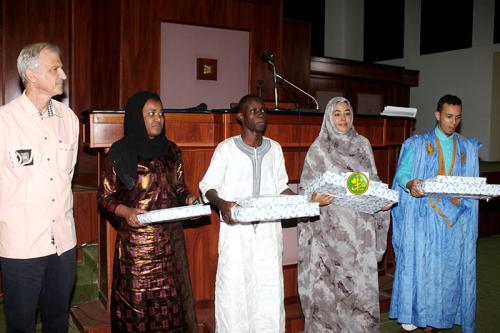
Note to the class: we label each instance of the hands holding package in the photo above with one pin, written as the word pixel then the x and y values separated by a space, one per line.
pixel 130 213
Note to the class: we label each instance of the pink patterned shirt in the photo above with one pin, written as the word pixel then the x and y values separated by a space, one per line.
pixel 37 158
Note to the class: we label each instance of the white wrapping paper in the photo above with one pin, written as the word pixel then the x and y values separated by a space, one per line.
pixel 267 200
pixel 377 196
pixel 455 186
pixel 273 208
pixel 174 214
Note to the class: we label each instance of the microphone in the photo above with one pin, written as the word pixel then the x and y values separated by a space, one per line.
pixel 267 56
pixel 201 107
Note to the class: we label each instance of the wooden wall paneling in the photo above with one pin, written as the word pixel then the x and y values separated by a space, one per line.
pixel 185 129
pixel 489 212
pixel 140 39
pixel 361 70
pixel 106 256
pixel 325 84
pixel 201 247
pixel 382 161
pixel 196 161
pixel 296 60
pixel 27 21
pixel 370 97
pixel 372 128
pixel 201 235
pixel 393 156
pixel 264 20
pixel 293 164
pixel 80 83
pixel 294 317
pixel 290 286
pixel 198 12
pixel 356 79
pixel 286 133
pixel 105 128
pixel 125 46
pixel 309 129
pixel 106 55
pixel 85 214
pixel 139 47
pixel 194 130
pixel 396 131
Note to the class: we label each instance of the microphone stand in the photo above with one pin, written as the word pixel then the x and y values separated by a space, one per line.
pixel 299 89
pixel 269 59
pixel 275 84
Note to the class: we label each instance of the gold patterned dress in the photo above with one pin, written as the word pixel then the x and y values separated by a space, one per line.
pixel 151 285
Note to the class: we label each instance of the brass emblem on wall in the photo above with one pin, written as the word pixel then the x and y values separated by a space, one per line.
pixel 206 69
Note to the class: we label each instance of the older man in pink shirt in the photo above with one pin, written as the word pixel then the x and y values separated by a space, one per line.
pixel 38 152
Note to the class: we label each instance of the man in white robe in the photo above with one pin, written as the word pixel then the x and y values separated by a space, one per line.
pixel 249 283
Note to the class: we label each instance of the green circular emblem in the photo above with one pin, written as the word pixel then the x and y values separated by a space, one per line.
pixel 357 183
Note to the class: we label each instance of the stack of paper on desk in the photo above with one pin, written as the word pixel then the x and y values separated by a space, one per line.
pixel 399 111
pixel 273 208
pixel 377 196
pixel 174 214
pixel 456 186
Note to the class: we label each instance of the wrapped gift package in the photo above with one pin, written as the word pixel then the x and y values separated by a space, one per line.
pixel 267 200
pixel 377 195
pixel 455 186
pixel 174 214
pixel 273 208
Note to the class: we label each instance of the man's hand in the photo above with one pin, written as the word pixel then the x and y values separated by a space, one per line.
pixel 324 199
pixel 130 215
pixel 225 209
pixel 412 187
pixel 223 205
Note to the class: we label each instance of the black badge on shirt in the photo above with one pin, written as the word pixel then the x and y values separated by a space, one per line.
pixel 24 157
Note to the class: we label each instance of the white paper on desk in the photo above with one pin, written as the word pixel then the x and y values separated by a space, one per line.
pixel 174 214
pixel 398 111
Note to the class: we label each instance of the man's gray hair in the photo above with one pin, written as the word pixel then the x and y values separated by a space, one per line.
pixel 29 55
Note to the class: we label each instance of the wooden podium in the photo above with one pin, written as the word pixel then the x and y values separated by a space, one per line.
pixel 197 135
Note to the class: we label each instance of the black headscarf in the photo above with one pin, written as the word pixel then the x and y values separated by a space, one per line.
pixel 136 144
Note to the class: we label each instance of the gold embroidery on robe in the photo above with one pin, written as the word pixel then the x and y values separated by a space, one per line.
pixel 440 213
pixel 430 148
pixel 442 172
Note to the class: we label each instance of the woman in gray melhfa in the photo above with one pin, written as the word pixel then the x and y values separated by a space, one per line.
pixel 338 254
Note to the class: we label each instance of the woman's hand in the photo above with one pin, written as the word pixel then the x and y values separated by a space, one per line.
pixel 130 215
pixel 324 199
pixel 193 200
pixel 386 207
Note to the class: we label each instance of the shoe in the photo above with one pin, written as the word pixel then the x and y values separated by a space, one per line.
pixel 430 329
pixel 402 330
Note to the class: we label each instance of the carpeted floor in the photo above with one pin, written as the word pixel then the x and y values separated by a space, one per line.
pixel 488 293
pixel 488 290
